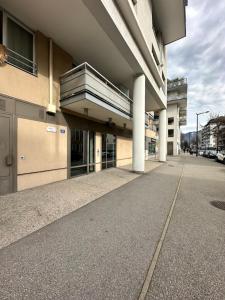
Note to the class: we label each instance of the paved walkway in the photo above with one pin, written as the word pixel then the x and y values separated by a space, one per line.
pixel 25 212
pixel 192 261
pixel 104 249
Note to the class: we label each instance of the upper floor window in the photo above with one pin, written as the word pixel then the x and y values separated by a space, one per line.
pixel 170 133
pixel 170 121
pixel 19 41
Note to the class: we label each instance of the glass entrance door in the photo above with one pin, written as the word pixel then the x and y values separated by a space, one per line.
pixel 82 152
pixel 108 151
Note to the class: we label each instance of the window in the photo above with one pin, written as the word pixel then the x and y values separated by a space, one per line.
pixel 170 133
pixel 170 121
pixel 108 151
pixel 82 152
pixel 19 41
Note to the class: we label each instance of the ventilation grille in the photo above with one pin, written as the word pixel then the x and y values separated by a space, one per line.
pixel 2 104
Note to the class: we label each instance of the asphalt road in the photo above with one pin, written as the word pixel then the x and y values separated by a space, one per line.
pixel 103 250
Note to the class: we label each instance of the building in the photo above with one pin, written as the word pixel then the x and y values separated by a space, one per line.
pixel 221 138
pixel 208 137
pixel 176 113
pixel 151 136
pixel 76 79
pixel 213 133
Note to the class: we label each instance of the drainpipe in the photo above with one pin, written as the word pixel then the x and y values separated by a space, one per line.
pixel 51 106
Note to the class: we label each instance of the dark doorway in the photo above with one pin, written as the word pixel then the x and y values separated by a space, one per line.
pixel 82 152
pixel 6 155
pixel 170 148
pixel 108 151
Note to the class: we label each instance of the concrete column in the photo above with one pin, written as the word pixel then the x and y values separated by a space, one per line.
pixel 139 124
pixel 162 135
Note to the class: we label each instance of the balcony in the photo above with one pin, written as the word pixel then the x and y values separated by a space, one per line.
pixel 183 120
pixel 84 90
pixel 177 84
pixel 177 97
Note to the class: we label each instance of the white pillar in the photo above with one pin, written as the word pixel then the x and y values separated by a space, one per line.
pixel 139 124
pixel 162 135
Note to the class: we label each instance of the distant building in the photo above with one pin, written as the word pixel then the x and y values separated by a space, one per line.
pixel 208 137
pixel 221 140
pixel 176 113
pixel 213 135
pixel 151 135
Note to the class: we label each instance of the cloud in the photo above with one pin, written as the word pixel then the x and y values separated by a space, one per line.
pixel 201 58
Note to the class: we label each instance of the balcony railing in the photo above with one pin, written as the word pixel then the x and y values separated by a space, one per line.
pixel 19 61
pixel 183 120
pixel 176 83
pixel 84 79
pixel 182 96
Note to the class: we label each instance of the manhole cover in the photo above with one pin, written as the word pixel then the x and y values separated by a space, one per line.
pixel 218 204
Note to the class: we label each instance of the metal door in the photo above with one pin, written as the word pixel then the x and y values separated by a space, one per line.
pixel 170 148
pixel 6 158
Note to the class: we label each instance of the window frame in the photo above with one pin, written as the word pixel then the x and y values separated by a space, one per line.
pixel 5 16
pixel 170 123
pixel 170 130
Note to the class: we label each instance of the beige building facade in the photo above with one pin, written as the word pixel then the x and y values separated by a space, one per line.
pixel 176 114
pixel 71 101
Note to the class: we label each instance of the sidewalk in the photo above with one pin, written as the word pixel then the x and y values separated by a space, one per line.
pixel 192 261
pixel 104 249
pixel 101 251
pixel 25 212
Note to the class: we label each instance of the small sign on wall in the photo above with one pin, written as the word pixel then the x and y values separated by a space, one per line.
pixel 51 129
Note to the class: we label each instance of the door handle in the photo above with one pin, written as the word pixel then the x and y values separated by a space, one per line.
pixel 9 160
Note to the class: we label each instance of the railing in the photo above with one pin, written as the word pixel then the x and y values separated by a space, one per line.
pixel 177 82
pixel 19 61
pixel 177 97
pixel 86 66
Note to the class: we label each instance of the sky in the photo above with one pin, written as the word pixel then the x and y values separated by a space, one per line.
pixel 200 57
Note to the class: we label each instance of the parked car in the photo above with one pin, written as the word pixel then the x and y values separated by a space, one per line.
pixel 205 153
pixel 192 151
pixel 200 152
pixel 221 156
pixel 212 153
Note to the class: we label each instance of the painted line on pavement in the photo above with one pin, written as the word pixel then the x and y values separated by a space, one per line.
pixel 152 266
